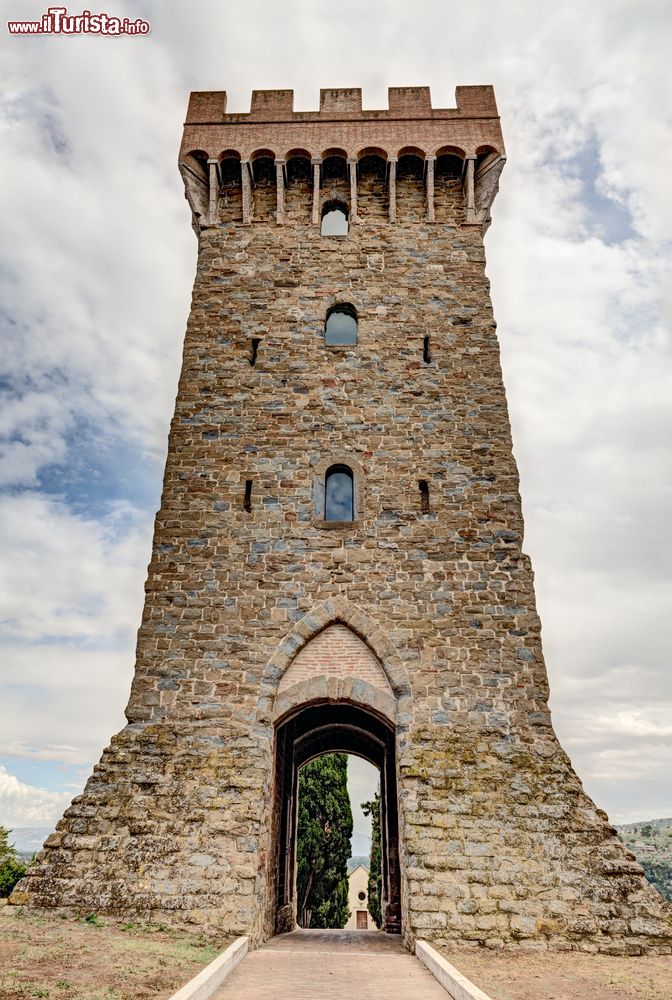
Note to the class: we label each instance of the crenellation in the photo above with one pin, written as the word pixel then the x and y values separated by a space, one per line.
pixel 477 102
pixel 206 106
pixel 404 103
pixel 344 100
pixel 409 100
pixel 271 102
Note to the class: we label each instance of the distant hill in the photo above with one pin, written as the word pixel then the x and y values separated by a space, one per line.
pixel 651 843
pixel 657 823
pixel 28 839
pixel 358 859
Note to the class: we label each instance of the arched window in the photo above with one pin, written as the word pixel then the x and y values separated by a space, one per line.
pixel 341 325
pixel 334 219
pixel 339 494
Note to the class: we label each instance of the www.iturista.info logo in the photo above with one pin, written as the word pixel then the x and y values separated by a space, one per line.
pixel 57 21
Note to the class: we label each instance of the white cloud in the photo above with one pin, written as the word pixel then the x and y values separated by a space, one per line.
pixel 26 805
pixel 71 576
pixel 363 780
pixel 71 599
pixel 62 703
pixel 97 263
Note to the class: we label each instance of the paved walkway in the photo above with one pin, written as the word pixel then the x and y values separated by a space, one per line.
pixel 331 965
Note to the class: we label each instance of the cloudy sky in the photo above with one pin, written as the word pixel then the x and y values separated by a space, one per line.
pixel 97 260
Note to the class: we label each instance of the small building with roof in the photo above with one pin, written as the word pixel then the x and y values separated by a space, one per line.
pixel 358 900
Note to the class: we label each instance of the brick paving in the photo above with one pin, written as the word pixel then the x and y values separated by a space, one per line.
pixel 331 965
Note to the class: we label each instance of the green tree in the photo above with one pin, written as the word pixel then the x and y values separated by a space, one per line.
pixel 659 874
pixel 323 842
pixel 11 869
pixel 372 809
pixel 647 830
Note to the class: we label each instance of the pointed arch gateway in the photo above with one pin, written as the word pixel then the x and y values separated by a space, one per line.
pixel 338 609
pixel 333 693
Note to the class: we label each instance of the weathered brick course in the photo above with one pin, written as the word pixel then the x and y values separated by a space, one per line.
pixel 336 652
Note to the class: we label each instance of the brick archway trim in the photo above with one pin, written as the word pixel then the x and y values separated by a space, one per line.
pixel 334 611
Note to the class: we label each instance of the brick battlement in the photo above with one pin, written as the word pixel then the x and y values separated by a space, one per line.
pixel 340 104
pixel 470 129
pixel 273 131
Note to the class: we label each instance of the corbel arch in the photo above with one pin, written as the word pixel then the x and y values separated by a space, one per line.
pixel 264 193
pixel 486 171
pixel 411 151
pixel 298 167
pixel 334 165
pixel 371 184
pixel 262 154
pixel 230 208
pixel 449 175
pixel 450 151
pixel 335 183
pixel 410 184
pixel 334 151
pixel 298 185
pixel 483 151
pixel 195 175
pixel 229 154
pixel 297 153
pixel 372 151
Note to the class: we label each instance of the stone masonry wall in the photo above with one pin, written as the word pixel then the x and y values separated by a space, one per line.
pixel 499 845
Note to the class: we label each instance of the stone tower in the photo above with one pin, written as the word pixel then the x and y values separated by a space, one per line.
pixel 337 560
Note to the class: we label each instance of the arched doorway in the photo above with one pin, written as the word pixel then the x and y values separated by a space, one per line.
pixel 305 734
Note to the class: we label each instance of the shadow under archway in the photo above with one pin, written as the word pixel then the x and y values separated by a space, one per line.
pixel 308 733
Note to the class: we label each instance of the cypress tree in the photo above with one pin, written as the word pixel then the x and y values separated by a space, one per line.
pixel 372 809
pixel 323 842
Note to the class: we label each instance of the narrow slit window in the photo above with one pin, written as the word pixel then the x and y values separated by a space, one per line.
pixel 247 502
pixel 255 348
pixel 426 356
pixel 424 496
pixel 339 494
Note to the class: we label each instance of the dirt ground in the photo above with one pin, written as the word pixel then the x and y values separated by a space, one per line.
pixel 96 959
pixel 565 976
pixel 99 958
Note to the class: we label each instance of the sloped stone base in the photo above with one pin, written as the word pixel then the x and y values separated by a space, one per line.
pixel 499 844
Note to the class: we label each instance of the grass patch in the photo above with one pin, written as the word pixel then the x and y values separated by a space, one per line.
pixel 82 957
